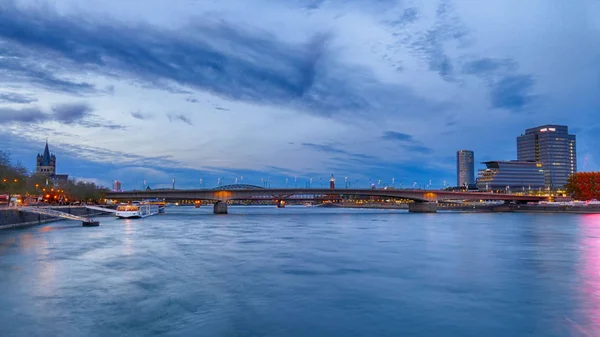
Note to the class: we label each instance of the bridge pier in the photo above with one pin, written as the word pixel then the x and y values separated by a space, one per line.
pixel 220 207
pixel 422 207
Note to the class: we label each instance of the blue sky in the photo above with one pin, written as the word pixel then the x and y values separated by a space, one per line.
pixel 370 90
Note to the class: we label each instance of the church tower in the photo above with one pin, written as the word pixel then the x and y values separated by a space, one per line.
pixel 46 163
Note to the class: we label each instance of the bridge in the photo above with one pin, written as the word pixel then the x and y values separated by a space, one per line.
pixel 424 201
pixel 48 211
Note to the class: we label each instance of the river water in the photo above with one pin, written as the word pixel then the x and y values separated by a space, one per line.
pixel 263 271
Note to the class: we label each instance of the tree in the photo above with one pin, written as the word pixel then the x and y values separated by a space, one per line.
pixel 13 177
pixel 584 185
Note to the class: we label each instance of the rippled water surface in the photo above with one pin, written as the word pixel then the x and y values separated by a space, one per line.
pixel 262 271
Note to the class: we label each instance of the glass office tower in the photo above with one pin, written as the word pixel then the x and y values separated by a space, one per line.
pixel 554 148
pixel 516 176
pixel 465 168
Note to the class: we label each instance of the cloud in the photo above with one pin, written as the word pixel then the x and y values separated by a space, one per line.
pixel 508 89
pixel 67 114
pixel 260 69
pixel 11 97
pixel 407 142
pixel 181 118
pixel 71 112
pixel 399 136
pixel 141 116
pixel 512 92
pixel 28 69
pixel 25 115
pixel 335 150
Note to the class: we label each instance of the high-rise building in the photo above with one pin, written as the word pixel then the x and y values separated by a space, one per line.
pixel 511 175
pixel 554 148
pixel 117 186
pixel 465 168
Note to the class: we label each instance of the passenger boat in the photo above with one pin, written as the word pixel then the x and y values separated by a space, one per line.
pixel 137 210
pixel 160 203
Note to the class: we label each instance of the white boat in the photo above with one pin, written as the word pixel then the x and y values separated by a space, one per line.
pixel 137 211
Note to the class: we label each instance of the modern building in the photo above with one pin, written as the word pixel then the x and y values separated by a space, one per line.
pixel 117 186
pixel 554 148
pixel 46 166
pixel 513 176
pixel 46 163
pixel 465 168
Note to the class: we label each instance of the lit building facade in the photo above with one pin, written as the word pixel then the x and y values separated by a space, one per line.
pixel 554 148
pixel 511 175
pixel 465 168
pixel 117 186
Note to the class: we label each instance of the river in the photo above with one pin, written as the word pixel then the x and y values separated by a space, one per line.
pixel 297 271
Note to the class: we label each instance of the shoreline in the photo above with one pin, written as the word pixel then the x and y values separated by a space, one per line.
pixel 13 218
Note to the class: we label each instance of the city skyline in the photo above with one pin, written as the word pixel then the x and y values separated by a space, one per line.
pixel 304 94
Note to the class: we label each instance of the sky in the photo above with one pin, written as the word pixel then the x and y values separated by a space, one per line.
pixel 285 92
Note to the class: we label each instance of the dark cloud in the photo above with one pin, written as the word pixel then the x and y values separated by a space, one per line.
pixel 25 115
pixel 11 97
pixel 486 66
pixel 261 68
pixel 399 136
pixel 509 90
pixel 181 118
pixel 430 45
pixel 27 69
pixel 72 112
pixel 419 149
pixel 191 100
pixel 335 150
pixel 407 142
pixel 139 115
pixel 512 92
pixel 68 114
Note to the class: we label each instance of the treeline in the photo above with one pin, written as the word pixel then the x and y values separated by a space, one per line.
pixel 16 179
pixel 584 185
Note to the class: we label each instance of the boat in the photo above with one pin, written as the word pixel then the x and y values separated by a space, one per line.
pixel 161 204
pixel 137 210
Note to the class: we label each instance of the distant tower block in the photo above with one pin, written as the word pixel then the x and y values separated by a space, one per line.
pixel 332 182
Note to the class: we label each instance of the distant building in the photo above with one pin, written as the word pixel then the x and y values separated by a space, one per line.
pixel 332 182
pixel 46 163
pixel 46 166
pixel 511 175
pixel 465 168
pixel 117 186
pixel 554 148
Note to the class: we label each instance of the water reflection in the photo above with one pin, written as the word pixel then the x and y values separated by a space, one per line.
pixel 589 270
pixel 127 240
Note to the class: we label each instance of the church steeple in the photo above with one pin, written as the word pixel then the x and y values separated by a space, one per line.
pixel 46 155
pixel 46 162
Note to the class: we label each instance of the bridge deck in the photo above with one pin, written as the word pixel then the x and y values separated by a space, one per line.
pixel 284 193
pixel 51 212
pixel 101 209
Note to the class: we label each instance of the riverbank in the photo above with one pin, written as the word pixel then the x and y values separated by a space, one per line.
pixel 580 209
pixel 13 218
